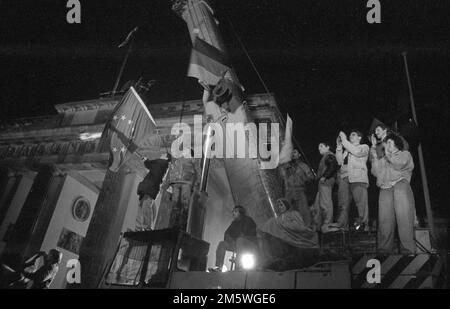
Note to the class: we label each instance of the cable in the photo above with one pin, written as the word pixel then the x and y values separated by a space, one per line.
pixel 246 53
pixel 297 144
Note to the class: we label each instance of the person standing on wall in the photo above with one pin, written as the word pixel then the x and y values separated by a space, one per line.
pixel 148 190
pixel 396 200
pixel 353 180
pixel 326 175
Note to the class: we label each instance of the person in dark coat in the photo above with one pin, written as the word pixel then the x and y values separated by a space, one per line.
pixel 148 190
pixel 296 174
pixel 239 236
pixel 326 175
pixel 41 278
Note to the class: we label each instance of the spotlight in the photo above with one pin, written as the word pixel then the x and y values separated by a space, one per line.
pixel 248 261
pixel 224 268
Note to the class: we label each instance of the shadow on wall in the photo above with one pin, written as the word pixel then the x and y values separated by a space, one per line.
pixel 218 211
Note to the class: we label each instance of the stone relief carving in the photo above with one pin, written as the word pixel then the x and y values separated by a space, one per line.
pixel 48 149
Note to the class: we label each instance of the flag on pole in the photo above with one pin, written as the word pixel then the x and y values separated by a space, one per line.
pixel 208 64
pixel 129 126
pixel 287 147
pixel 128 38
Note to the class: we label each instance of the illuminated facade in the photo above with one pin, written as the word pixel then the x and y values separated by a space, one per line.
pixel 52 173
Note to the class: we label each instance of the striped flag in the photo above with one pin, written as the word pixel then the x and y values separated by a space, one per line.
pixel 128 128
pixel 207 64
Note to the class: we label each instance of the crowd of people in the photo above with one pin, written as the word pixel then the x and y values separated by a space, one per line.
pixel 390 163
pixel 28 274
pixel 298 223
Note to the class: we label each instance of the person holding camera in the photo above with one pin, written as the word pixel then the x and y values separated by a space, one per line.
pixel 353 180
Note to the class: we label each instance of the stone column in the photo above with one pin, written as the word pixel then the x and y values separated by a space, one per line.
pixel 101 241
pixel 248 185
pixel 46 210
pixel 9 183
pixel 20 183
pixel 38 204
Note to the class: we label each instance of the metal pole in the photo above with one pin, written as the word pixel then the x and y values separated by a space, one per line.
pixel 206 161
pixel 124 62
pixel 423 173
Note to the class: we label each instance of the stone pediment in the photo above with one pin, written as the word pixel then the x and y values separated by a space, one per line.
pixel 101 103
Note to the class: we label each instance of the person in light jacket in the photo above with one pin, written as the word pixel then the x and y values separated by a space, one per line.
pixel 353 180
pixel 396 200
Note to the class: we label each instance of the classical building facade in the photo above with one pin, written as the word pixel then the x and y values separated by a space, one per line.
pixel 52 171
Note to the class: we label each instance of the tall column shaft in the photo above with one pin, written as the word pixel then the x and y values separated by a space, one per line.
pixel 104 230
pixel 36 202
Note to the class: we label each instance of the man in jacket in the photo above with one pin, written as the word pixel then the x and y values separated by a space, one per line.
pixel 239 236
pixel 396 200
pixel 41 277
pixel 353 180
pixel 295 175
pixel 326 174
pixel 148 190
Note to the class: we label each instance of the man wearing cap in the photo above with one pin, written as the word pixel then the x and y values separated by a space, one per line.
pixel 353 179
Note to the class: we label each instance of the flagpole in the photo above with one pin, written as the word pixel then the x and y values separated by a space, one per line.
pixel 124 62
pixel 423 173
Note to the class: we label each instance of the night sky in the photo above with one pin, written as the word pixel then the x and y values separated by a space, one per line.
pixel 326 65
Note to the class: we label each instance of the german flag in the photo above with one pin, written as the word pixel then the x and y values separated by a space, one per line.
pixel 208 64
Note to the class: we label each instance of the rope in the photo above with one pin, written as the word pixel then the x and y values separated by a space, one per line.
pixel 297 144
pixel 247 54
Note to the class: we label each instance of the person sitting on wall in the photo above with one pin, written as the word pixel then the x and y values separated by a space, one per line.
pixel 239 236
pixel 286 242
pixel 42 278
pixel 148 190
